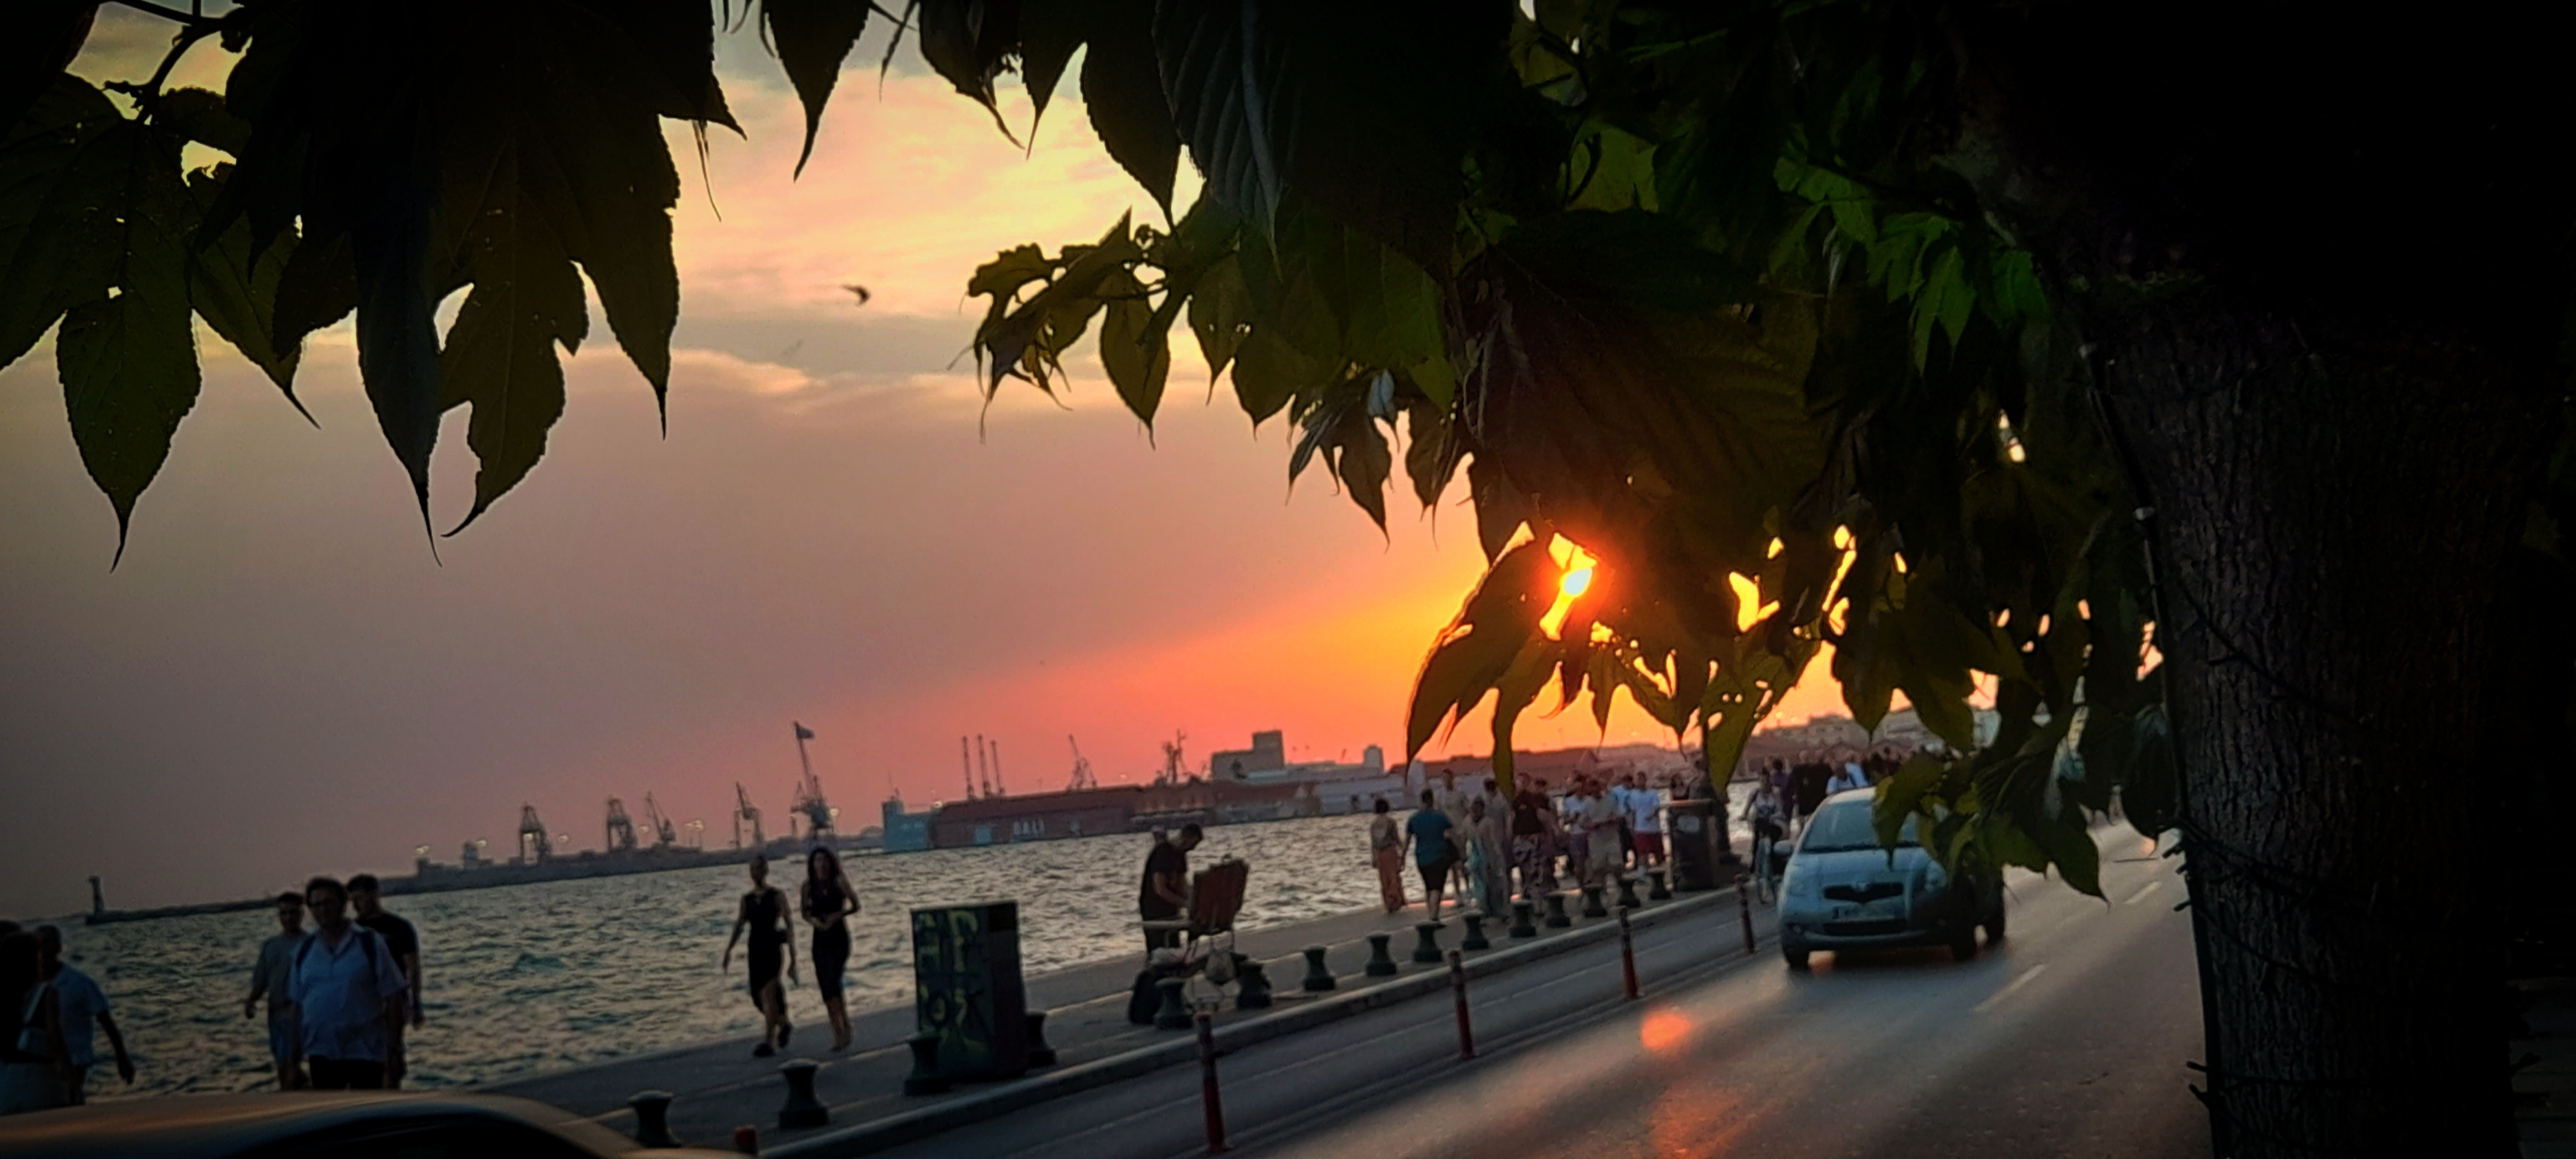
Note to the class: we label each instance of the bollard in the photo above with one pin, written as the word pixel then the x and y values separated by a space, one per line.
pixel 1040 1054
pixel 1659 891
pixel 1175 1014
pixel 1522 926
pixel 1458 986
pixel 1380 962
pixel 802 1109
pixel 1319 977
pixel 1207 1085
pixel 1628 892
pixel 1427 949
pixel 653 1119
pixel 747 1140
pixel 1556 919
pixel 1744 904
pixel 925 1078
pixel 1592 907
pixel 1252 987
pixel 1627 953
pixel 1475 939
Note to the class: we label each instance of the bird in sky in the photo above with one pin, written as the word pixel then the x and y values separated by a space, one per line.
pixel 861 291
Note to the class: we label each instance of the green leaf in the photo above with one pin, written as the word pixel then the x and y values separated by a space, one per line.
pixel 2069 845
pixel 1269 370
pixel 1122 88
pixel 1432 453
pixel 1136 353
pixel 1519 686
pixel 64 176
pixel 237 293
pixel 200 115
pixel 1050 30
pixel 1479 646
pixel 1902 794
pixel 812 38
pixel 969 42
pixel 500 353
pixel 43 37
pixel 1221 313
pixel 128 359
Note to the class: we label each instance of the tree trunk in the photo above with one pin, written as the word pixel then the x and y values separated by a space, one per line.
pixel 2328 525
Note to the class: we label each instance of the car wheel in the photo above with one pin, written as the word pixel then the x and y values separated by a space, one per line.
pixel 1796 956
pixel 1964 946
pixel 1995 926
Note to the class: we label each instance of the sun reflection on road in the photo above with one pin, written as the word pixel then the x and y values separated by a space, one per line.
pixel 1663 1030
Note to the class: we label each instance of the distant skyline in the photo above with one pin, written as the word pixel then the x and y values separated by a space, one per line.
pixel 280 680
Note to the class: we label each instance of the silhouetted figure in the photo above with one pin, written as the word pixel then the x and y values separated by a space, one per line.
pixel 773 944
pixel 1164 892
pixel 347 995
pixel 1435 854
pixel 35 1061
pixel 268 980
pixel 827 899
pixel 1386 852
pixel 367 898
pixel 84 1010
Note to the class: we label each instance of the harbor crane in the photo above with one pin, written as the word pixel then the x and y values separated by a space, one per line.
pixel 1082 777
pixel 983 772
pixel 1173 762
pixel 621 828
pixel 809 793
pixel 665 834
pixel 966 764
pixel 999 788
pixel 534 845
pixel 743 811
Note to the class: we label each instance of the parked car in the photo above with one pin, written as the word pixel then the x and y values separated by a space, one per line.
pixel 1845 891
pixel 334 1125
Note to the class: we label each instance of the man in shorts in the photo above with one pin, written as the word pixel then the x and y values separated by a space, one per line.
pixel 367 898
pixel 1434 853
pixel 268 980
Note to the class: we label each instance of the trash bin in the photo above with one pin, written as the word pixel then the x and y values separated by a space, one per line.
pixel 1692 825
pixel 967 990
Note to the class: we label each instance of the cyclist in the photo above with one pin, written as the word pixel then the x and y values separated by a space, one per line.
pixel 1769 829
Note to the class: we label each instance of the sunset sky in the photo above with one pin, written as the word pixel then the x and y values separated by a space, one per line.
pixel 281 680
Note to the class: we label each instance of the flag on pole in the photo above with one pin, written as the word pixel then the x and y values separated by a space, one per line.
pixel 802 732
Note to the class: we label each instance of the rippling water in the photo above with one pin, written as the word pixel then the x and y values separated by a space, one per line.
pixel 541 977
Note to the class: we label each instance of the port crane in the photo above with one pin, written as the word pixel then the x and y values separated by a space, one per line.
pixel 621 828
pixel 665 834
pixel 809 792
pixel 966 765
pixel 1082 776
pixel 983 771
pixel 743 811
pixel 1172 760
pixel 534 845
pixel 999 789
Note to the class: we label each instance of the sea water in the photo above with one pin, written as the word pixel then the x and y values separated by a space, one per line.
pixel 541 977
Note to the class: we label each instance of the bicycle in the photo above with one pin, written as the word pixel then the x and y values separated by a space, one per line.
pixel 1766 887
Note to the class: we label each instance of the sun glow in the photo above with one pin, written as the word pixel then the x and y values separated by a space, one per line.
pixel 1576 580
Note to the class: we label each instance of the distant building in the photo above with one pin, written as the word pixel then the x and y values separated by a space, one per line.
pixel 1269 752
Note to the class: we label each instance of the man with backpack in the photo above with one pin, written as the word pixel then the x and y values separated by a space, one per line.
pixel 346 992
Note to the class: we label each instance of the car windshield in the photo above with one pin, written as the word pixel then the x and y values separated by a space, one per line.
pixel 1847 826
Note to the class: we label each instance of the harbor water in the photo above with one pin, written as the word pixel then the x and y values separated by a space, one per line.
pixel 541 977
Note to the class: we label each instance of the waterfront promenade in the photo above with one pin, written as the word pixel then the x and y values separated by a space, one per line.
pixel 720 1086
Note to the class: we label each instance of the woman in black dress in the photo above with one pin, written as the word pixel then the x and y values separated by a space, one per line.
pixel 773 938
pixel 827 898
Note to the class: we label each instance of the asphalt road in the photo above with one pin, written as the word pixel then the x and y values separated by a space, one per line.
pixel 2069 1039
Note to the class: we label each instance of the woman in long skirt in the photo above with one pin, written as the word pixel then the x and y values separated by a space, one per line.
pixel 1386 849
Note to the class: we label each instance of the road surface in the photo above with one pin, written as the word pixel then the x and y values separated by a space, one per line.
pixel 2069 1039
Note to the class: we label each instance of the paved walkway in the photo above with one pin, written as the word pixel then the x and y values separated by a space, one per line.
pixel 720 1086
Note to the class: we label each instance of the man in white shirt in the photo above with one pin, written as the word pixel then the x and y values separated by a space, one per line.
pixel 1851 777
pixel 268 980
pixel 347 992
pixel 84 1012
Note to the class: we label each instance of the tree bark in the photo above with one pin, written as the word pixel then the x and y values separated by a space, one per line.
pixel 2329 523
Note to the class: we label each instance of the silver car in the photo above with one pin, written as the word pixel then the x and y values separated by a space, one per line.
pixel 1845 891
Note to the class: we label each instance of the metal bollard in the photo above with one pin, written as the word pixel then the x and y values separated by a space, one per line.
pixel 925 1078
pixel 1207 1086
pixel 1522 926
pixel 1658 891
pixel 1628 953
pixel 653 1119
pixel 1319 977
pixel 801 1109
pixel 1252 987
pixel 1175 1014
pixel 1556 918
pixel 1458 986
pixel 1040 1054
pixel 747 1140
pixel 1427 948
pixel 1592 907
pixel 1475 939
pixel 1744 905
pixel 1380 963
pixel 1628 892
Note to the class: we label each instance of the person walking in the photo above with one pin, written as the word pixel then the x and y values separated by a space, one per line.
pixel 1847 778
pixel 1489 872
pixel 827 899
pixel 346 996
pixel 1575 832
pixel 1606 835
pixel 35 1061
pixel 366 896
pixel 84 1009
pixel 1646 825
pixel 1529 841
pixel 268 980
pixel 1386 851
pixel 773 943
pixel 1435 855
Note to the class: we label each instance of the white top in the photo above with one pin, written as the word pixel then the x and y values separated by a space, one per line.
pixel 341 997
pixel 82 1003
pixel 1643 807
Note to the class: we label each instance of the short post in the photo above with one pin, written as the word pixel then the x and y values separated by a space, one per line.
pixel 1175 1014
pixel 1592 907
pixel 1475 939
pixel 1627 953
pixel 1628 892
pixel 1252 987
pixel 1458 986
pixel 1427 948
pixel 1744 906
pixel 1319 977
pixel 1040 1054
pixel 1522 926
pixel 925 1078
pixel 1207 1085
pixel 746 1139
pixel 802 1109
pixel 1658 891
pixel 1380 963
pixel 653 1119
pixel 1556 916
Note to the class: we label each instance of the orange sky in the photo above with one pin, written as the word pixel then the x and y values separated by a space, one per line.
pixel 280 680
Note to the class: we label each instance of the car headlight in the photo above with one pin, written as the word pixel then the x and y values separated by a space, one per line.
pixel 1934 877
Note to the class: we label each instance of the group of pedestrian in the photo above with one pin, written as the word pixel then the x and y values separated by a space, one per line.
pixel 826 900
pixel 50 1015
pixel 342 996
pixel 1473 845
